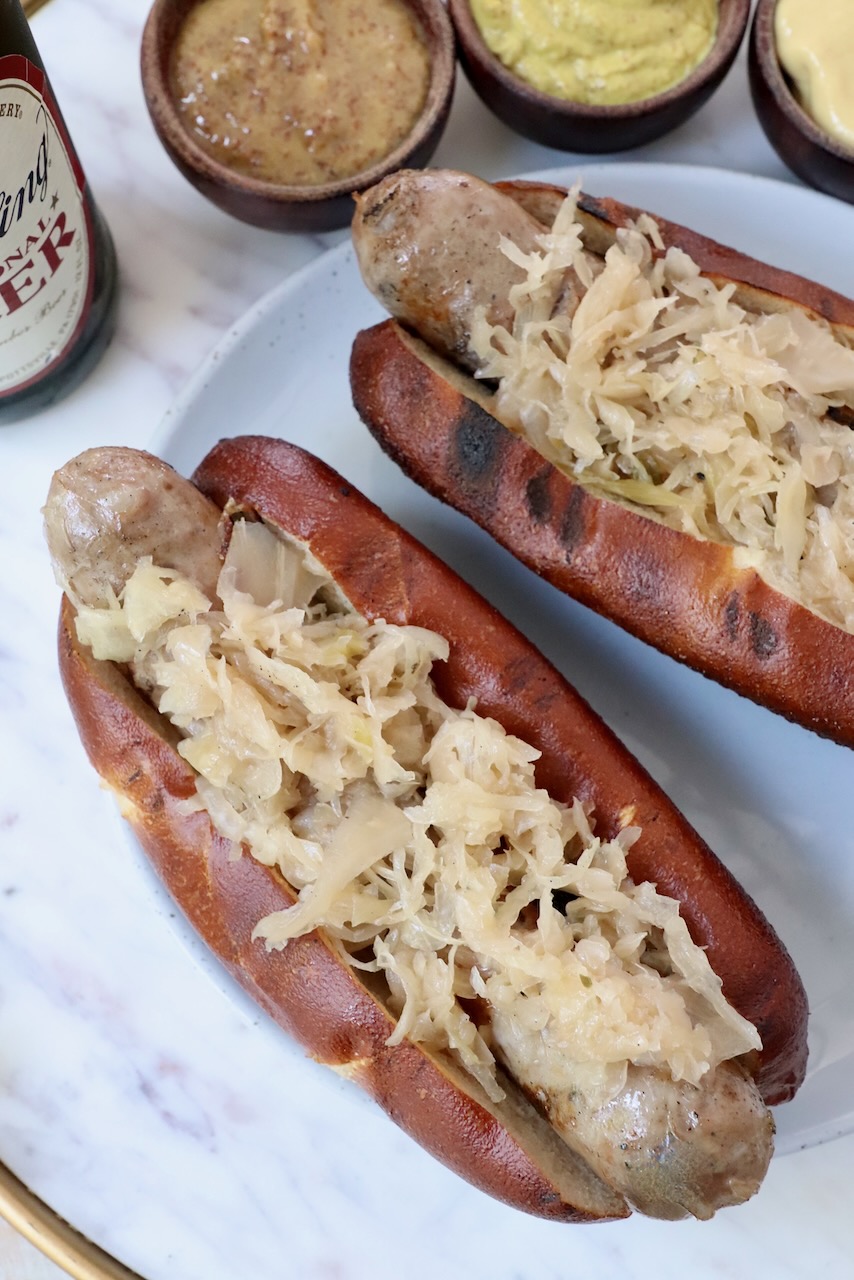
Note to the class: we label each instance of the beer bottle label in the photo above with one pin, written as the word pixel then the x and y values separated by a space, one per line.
pixel 46 258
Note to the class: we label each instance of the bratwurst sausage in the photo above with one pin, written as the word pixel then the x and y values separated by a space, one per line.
pixel 426 249
pixel 106 510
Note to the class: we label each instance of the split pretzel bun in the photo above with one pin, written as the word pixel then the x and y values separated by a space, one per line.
pixel 693 599
pixel 507 1149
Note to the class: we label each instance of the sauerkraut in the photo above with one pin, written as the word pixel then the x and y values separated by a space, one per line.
pixel 659 390
pixel 414 833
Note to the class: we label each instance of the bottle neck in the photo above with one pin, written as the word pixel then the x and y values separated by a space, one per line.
pixel 15 34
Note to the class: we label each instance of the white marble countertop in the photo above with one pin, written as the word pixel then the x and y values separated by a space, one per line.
pixel 21 1260
pixel 122 1068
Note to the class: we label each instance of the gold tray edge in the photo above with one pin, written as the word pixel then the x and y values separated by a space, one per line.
pixel 53 1236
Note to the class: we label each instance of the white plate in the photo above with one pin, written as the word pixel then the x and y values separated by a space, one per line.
pixel 773 800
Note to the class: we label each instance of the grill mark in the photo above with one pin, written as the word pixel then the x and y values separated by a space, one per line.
pixel 476 447
pixel 538 497
pixel 516 674
pixel 645 579
pixel 572 521
pixel 763 637
pixel 731 616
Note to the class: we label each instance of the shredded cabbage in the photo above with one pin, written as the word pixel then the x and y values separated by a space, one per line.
pixel 414 833
pixel 660 391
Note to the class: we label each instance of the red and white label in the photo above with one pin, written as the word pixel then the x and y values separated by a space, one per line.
pixel 46 261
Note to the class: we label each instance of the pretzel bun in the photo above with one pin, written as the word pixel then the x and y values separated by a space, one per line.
pixel 688 597
pixel 508 1149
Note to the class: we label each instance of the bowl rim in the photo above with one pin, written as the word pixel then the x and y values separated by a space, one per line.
pixel 765 45
pixel 436 26
pixel 724 46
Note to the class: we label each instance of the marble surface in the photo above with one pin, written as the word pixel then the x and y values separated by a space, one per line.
pixel 165 1121
pixel 21 1260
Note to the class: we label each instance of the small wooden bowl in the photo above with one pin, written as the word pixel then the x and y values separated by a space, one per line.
pixel 575 126
pixel 799 142
pixel 281 207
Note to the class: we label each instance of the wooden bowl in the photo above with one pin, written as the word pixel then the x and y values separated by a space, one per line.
pixel 800 143
pixel 282 207
pixel 575 126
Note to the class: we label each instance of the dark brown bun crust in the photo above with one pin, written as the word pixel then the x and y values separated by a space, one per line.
pixel 685 596
pixel 682 595
pixel 509 1151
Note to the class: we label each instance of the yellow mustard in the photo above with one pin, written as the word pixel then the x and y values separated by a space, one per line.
pixel 599 51
pixel 300 91
pixel 814 45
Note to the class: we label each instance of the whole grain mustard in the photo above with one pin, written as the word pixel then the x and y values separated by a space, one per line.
pixel 300 92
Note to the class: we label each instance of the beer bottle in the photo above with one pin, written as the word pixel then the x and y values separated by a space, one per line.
pixel 57 262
